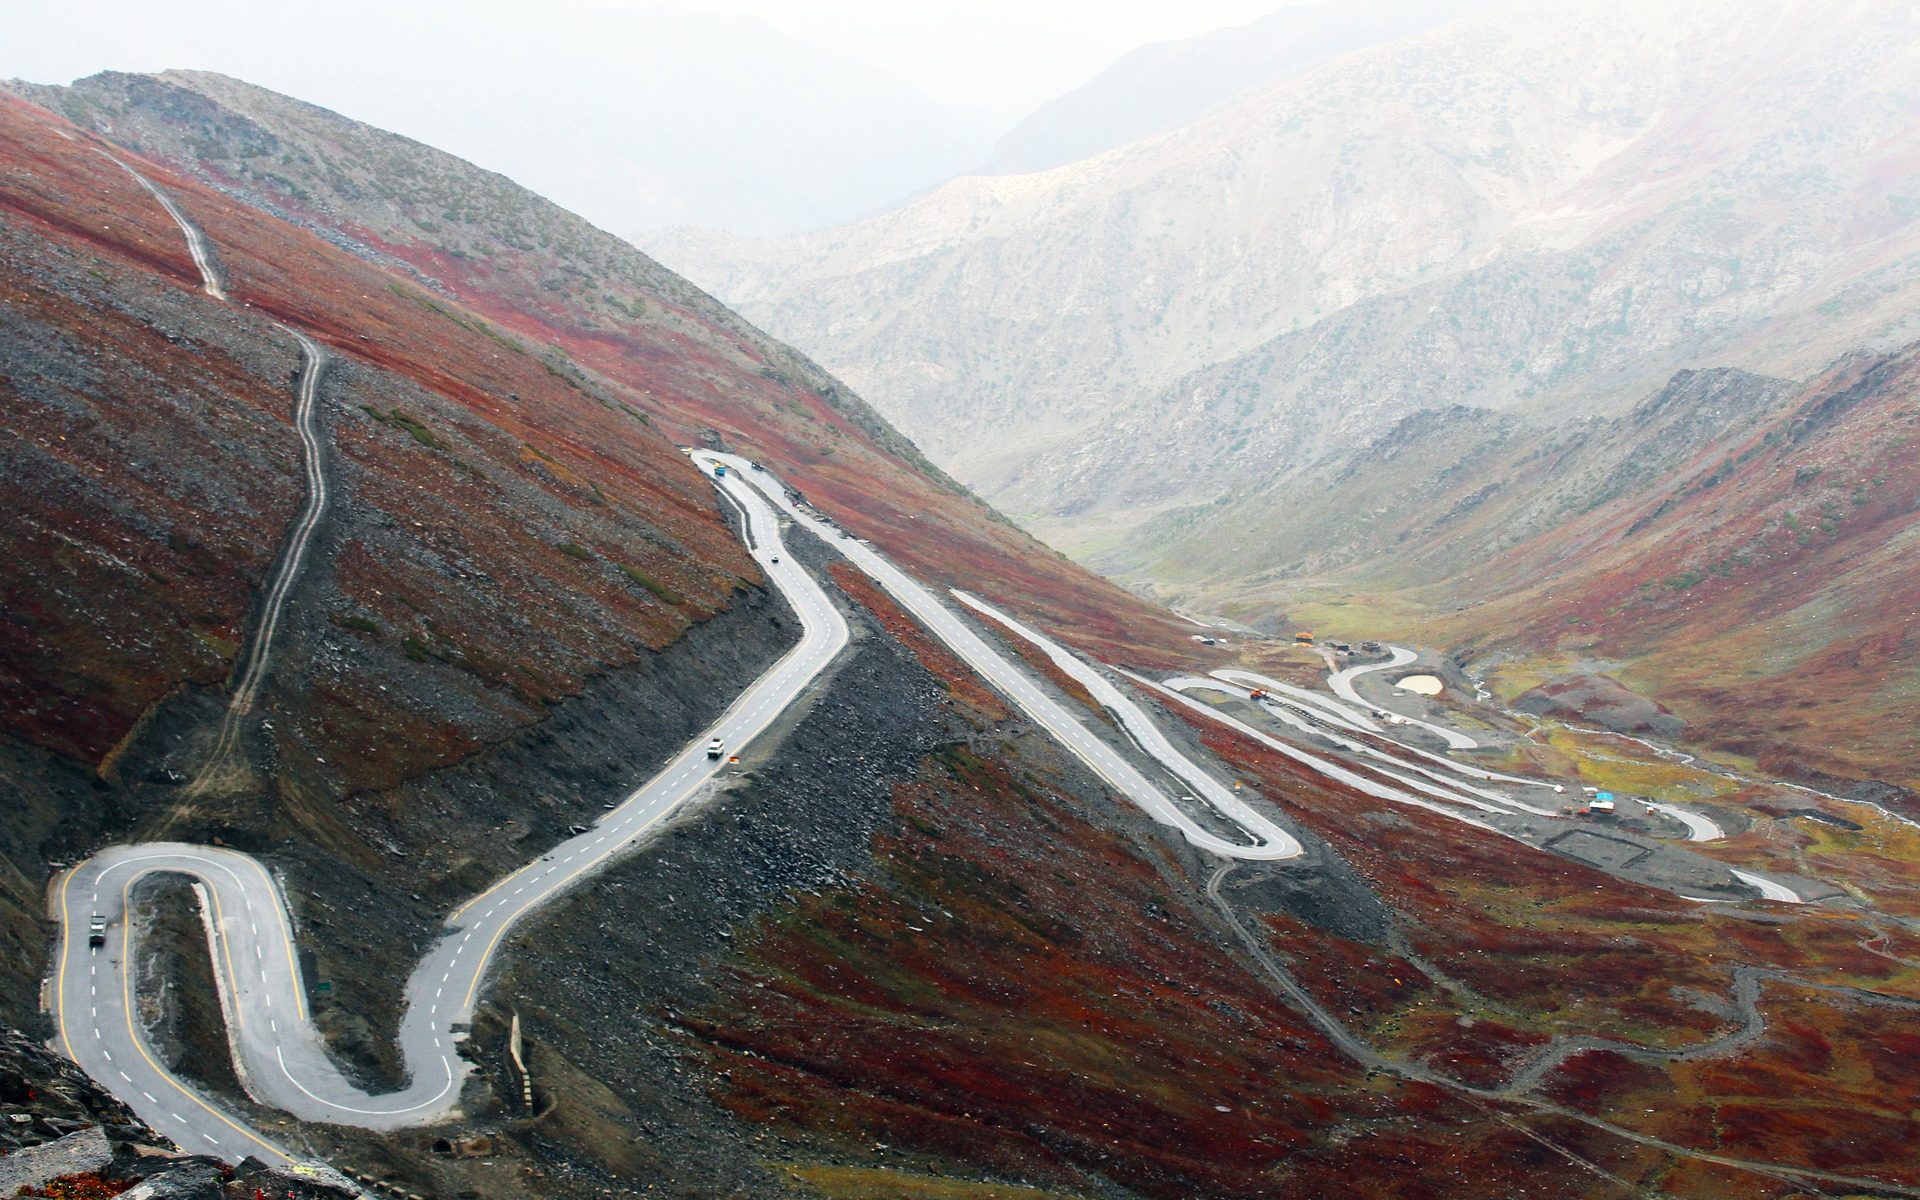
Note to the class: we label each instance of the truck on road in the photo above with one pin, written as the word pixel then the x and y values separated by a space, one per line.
pixel 715 748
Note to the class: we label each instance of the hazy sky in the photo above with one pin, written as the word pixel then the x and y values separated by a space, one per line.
pixel 1005 56
pixel 756 116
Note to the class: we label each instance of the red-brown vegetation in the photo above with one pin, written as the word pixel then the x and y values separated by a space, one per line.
pixel 164 481
pixel 1780 569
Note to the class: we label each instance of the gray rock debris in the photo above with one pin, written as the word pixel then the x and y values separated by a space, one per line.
pixel 84 1150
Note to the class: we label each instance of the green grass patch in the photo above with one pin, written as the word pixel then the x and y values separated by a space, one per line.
pixel 574 550
pixel 396 418
pixel 660 591
pixel 483 328
pixel 221 647
pixel 357 623
pixel 426 302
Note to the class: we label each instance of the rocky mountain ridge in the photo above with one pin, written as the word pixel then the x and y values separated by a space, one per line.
pixel 1551 206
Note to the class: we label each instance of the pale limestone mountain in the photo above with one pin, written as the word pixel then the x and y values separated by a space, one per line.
pixel 1550 206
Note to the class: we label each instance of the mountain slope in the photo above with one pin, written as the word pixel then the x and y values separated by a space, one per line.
pixel 1442 492
pixel 1453 218
pixel 591 300
pixel 909 944
pixel 1764 589
pixel 1739 548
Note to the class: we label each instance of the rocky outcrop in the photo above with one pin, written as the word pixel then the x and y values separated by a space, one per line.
pixel 1599 700
pixel 62 1135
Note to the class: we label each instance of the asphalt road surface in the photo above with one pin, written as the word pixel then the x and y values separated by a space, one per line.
pixel 1263 833
pixel 1342 684
pixel 278 1054
pixel 1455 793
pixel 1263 839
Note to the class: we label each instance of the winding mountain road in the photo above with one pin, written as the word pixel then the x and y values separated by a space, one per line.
pixel 277 1052
pixel 1699 828
pixel 1321 708
pixel 1453 791
pixel 1146 734
pixel 1264 839
pixel 1323 766
pixel 1342 684
pixel 197 245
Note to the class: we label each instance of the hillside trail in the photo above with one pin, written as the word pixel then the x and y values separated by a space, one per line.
pixel 1746 987
pixel 251 665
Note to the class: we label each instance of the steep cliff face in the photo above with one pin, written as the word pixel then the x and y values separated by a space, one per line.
pixel 1553 206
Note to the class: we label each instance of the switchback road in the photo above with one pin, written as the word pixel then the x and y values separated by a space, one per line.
pixel 1263 839
pixel 278 1054
pixel 1342 684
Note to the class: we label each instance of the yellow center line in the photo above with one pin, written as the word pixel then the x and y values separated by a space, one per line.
pixel 66 948
pixel 457 913
pixel 140 1043
pixel 283 914
pixel 226 950
pixel 480 965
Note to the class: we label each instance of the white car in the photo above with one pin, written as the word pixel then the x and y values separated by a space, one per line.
pixel 715 748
